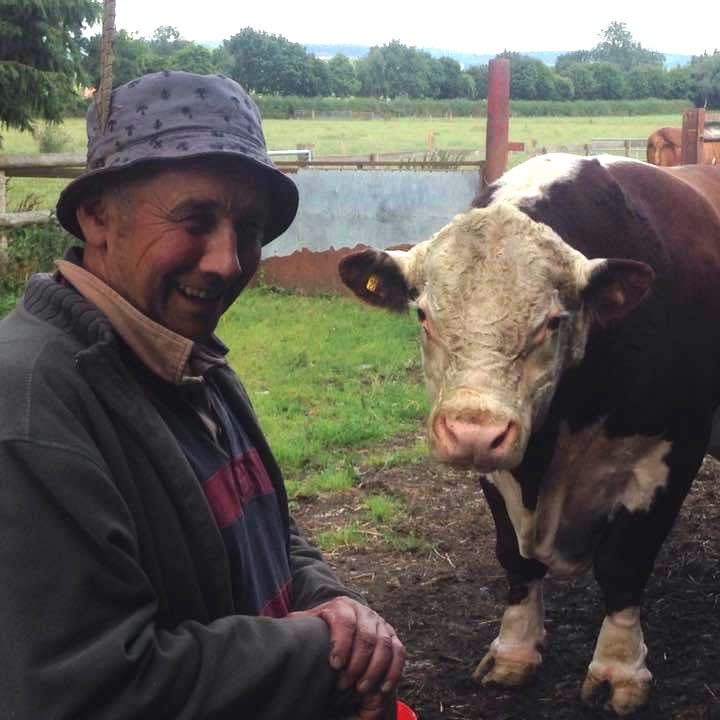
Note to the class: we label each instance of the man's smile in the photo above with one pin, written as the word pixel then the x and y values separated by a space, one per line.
pixel 198 293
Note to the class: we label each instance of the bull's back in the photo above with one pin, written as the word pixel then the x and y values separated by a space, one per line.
pixel 683 205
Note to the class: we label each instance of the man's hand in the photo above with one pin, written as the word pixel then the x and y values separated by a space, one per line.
pixel 363 647
pixel 376 707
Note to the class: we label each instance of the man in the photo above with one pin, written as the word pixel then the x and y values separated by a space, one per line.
pixel 148 564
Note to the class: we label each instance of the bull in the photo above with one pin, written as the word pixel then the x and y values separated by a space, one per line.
pixel 571 351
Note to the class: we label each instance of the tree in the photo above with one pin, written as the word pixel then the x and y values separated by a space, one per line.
pixel 267 63
pixel 41 46
pixel 131 58
pixel 679 82
pixel 530 78
pixel 194 59
pixel 583 80
pixel 564 87
pixel 567 60
pixel 647 81
pixel 468 86
pixel 479 73
pixel 609 81
pixel 705 80
pixel 342 77
pixel 164 44
pixel 617 46
pixel 451 78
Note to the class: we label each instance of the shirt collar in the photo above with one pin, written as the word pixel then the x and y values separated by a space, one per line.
pixel 176 359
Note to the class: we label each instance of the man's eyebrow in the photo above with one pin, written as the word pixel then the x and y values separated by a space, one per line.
pixel 193 205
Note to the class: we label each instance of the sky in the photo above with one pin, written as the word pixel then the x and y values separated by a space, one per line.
pixel 482 26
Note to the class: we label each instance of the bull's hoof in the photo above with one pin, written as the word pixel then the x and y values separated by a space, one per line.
pixel 627 693
pixel 508 666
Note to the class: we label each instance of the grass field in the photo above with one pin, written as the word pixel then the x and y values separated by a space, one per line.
pixel 354 137
pixel 327 376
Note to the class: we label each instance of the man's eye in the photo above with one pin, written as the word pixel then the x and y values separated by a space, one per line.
pixel 199 224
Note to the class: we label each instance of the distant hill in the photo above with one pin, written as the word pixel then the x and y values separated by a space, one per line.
pixel 465 59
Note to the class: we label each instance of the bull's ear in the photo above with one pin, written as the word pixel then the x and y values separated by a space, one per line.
pixel 377 278
pixel 614 287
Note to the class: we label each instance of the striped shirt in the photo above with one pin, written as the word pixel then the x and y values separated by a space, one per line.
pixel 239 492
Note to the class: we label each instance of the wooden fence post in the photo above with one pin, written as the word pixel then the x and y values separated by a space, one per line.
pixel 693 128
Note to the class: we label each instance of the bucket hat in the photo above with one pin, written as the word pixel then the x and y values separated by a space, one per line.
pixel 172 115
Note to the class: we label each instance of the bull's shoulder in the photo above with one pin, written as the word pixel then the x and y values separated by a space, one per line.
pixel 610 206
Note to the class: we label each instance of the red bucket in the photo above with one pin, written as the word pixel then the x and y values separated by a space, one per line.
pixel 404 712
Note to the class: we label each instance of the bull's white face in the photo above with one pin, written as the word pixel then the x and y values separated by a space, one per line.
pixel 501 305
pixel 501 318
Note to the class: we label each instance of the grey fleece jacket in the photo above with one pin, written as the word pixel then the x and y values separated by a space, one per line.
pixel 115 595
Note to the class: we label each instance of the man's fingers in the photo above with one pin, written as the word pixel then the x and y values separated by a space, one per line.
pixel 365 644
pixel 386 663
pixel 341 618
pixel 394 672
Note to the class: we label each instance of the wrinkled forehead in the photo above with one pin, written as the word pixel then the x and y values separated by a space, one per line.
pixel 494 264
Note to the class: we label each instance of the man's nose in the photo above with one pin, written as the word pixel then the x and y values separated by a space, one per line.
pixel 220 256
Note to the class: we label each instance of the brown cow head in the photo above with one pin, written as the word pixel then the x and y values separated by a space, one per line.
pixel 505 306
pixel 664 147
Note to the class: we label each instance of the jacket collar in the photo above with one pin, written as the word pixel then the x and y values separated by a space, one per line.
pixel 174 358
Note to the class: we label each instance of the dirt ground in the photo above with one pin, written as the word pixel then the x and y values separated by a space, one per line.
pixel 446 602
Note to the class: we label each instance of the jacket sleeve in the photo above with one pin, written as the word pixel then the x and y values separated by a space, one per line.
pixel 77 614
pixel 314 581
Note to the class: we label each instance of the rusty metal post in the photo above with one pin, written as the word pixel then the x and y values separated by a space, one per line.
pixel 498 119
pixel 693 128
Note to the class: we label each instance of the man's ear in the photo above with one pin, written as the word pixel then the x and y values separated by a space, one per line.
pixel 93 221
pixel 377 278
pixel 614 287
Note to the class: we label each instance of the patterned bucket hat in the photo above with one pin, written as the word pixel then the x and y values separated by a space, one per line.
pixel 166 116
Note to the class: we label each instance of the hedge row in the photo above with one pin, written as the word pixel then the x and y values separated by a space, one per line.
pixel 286 106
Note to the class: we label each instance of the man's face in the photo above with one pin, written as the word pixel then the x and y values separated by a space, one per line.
pixel 182 245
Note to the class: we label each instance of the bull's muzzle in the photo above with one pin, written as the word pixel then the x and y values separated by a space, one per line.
pixel 486 445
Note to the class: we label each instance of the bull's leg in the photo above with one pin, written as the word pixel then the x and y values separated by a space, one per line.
pixel 623 563
pixel 514 656
pixel 619 661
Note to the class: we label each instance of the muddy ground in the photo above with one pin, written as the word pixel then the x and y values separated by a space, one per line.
pixel 446 602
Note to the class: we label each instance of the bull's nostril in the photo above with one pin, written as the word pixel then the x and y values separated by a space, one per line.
pixel 504 437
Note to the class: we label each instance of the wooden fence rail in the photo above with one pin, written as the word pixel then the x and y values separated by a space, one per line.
pixel 53 165
pixel 630 147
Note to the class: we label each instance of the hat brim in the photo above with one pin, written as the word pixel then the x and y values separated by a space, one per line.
pixel 283 192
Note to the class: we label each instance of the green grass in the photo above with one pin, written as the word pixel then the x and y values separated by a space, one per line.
pixel 350 535
pixel 326 374
pixel 356 137
pixel 384 509
pixel 382 519
pixel 385 459
pixel 329 480
pixel 7 303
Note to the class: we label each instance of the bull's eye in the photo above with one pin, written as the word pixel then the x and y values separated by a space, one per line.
pixel 421 315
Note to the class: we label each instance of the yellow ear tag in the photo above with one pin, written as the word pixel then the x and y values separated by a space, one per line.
pixel 372 283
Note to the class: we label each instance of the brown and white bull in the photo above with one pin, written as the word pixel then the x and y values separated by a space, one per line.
pixel 571 349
